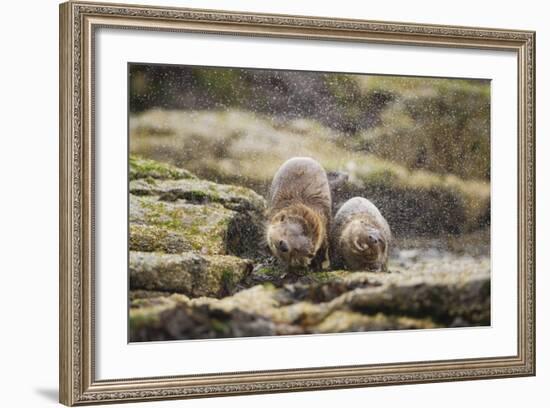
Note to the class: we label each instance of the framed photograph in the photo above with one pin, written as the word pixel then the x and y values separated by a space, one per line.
pixel 256 203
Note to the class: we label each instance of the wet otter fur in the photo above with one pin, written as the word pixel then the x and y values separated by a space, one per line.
pixel 299 214
pixel 360 237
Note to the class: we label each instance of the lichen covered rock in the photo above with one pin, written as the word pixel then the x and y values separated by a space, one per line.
pixel 247 149
pixel 156 224
pixel 188 235
pixel 189 273
pixel 199 268
pixel 174 215
pixel 341 302
pixel 140 168
pixel 199 192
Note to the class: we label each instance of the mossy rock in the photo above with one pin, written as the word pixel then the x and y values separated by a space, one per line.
pixel 433 124
pixel 450 303
pixel 419 122
pixel 179 226
pixel 140 168
pixel 201 192
pixel 138 297
pixel 346 321
pixel 189 273
pixel 152 238
pixel 210 228
pixel 247 149
pixel 421 203
pixel 173 318
pixel 146 313
pixel 415 298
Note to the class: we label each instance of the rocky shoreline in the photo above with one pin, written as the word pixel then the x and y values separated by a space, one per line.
pixel 199 268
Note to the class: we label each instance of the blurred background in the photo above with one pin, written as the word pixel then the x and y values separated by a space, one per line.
pixel 419 148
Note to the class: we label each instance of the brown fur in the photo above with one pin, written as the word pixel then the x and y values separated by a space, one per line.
pixel 360 237
pixel 299 213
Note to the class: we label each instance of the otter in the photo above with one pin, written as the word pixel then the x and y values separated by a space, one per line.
pixel 360 237
pixel 299 214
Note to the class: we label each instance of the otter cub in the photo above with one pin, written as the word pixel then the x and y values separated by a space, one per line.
pixel 299 214
pixel 360 237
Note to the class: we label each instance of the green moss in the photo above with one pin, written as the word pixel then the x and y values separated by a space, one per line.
pixel 433 124
pixel 381 176
pixel 158 214
pixel 198 196
pixel 228 281
pixel 265 270
pixel 324 276
pixel 220 327
pixel 227 276
pixel 411 86
pixel 146 312
pixel 269 286
pixel 269 271
pixel 343 87
pixel 151 169
pixel 145 236
pixel 202 227
pixel 138 320
pixel 151 238
pixel 150 180
pixel 399 181
pixel 223 84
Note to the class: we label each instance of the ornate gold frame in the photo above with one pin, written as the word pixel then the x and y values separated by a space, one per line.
pixel 78 22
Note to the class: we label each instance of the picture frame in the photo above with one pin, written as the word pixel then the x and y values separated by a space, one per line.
pixel 79 23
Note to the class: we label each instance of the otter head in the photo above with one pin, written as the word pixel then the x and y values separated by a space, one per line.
pixel 363 245
pixel 290 241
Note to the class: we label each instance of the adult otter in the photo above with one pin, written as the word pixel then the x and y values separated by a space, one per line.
pixel 299 213
pixel 360 237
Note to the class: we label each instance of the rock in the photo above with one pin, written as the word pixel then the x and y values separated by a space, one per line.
pixel 200 192
pixel 145 294
pixel 184 322
pixel 152 238
pixel 339 302
pixel 184 231
pixel 189 273
pixel 245 235
pixel 246 149
pixel 433 124
pixel 175 215
pixel 173 318
pixel 416 122
pixel 150 169
pixel 199 267
pixel 421 203
pixel 178 226
pixel 444 298
pixel 340 321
